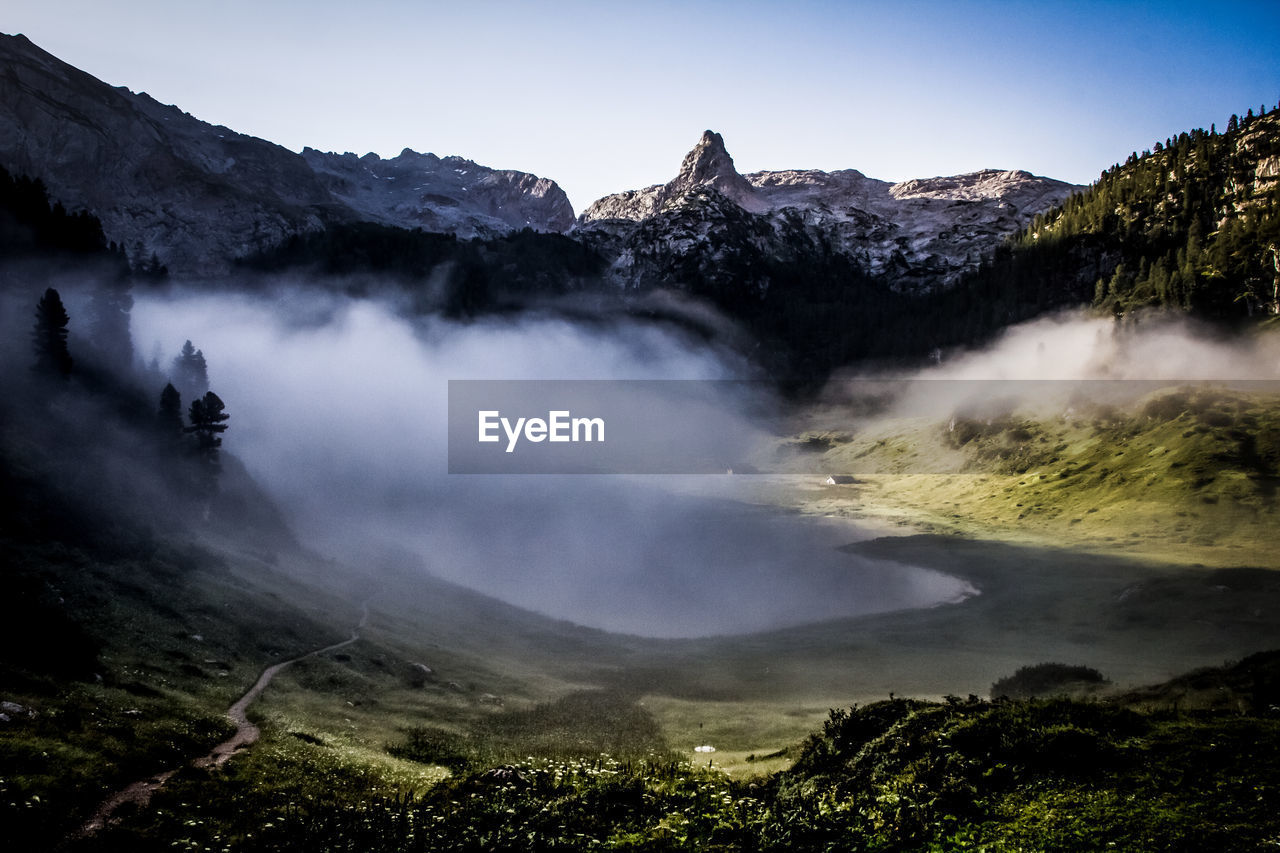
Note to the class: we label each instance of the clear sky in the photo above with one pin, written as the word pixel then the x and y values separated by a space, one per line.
pixel 604 96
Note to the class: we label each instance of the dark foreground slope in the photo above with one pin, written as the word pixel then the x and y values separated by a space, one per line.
pixel 1052 774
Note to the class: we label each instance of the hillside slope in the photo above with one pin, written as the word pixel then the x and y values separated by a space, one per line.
pixel 199 196
pixel 1191 226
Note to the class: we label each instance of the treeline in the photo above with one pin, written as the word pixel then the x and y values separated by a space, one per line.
pixel 1192 226
pixel 32 225
pixel 461 278
pixel 105 383
pixel 805 306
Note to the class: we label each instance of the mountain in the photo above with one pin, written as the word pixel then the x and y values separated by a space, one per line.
pixel 1191 226
pixel 917 235
pixel 448 194
pixel 199 195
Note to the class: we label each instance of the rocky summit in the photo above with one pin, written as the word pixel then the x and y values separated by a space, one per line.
pixel 199 196
pixel 917 235
pixel 441 194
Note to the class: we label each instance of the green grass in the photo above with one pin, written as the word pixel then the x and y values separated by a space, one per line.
pixel 334 723
pixel 1181 475
pixel 893 775
pixel 360 747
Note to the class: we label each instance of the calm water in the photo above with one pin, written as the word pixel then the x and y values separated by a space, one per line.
pixel 621 556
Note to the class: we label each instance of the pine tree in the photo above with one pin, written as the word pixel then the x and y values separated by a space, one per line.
pixel 169 415
pixel 49 335
pixel 207 415
pixel 109 322
pixel 190 373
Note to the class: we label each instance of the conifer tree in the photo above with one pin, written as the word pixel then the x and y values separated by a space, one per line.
pixel 190 373
pixel 169 415
pixel 109 321
pixel 207 415
pixel 49 335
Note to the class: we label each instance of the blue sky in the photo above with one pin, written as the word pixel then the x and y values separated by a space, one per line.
pixel 605 96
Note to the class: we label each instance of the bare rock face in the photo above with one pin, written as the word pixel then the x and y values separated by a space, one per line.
pixel 1268 168
pixel 919 235
pixel 708 165
pixel 441 194
pixel 199 196
pixel 159 180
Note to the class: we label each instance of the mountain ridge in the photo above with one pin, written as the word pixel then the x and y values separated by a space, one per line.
pixel 924 233
pixel 200 195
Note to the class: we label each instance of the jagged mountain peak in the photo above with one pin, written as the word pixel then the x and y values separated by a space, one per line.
pixel 920 234
pixel 707 161
pixel 708 164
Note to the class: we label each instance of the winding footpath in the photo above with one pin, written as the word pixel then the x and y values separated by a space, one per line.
pixel 246 733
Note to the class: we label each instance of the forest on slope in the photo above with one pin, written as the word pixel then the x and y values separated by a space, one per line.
pixel 1191 226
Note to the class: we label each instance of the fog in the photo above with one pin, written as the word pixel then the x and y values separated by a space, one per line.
pixel 1054 363
pixel 1077 346
pixel 338 409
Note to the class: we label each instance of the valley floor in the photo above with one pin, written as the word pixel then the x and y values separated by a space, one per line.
pixel 408 722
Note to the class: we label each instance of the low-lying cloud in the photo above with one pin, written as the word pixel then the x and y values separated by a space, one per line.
pixel 338 407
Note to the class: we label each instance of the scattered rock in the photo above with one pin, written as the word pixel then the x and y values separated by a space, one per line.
pixel 490 699
pixel 420 674
pixel 505 775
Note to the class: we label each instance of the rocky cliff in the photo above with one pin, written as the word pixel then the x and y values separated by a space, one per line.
pixel 441 193
pixel 918 234
pixel 199 195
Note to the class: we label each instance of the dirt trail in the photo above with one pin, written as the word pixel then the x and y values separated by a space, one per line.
pixel 245 734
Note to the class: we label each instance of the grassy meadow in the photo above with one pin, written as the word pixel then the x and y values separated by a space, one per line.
pixel 1131 541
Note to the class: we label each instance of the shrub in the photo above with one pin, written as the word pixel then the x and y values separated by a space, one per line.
pixel 1047 679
